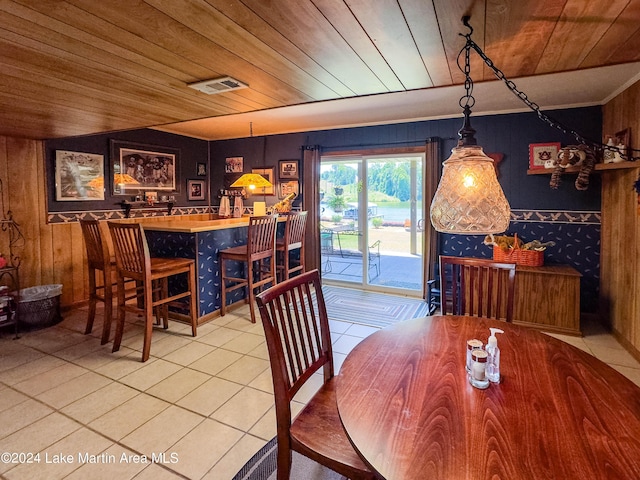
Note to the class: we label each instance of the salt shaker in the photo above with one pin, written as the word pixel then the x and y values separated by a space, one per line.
pixel 472 345
pixel 477 376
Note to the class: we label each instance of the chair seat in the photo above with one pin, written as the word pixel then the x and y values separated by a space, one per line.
pixel 241 254
pixel 321 415
pixel 281 245
pixel 237 251
pixel 164 264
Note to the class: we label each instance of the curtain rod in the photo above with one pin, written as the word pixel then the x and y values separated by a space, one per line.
pixel 368 145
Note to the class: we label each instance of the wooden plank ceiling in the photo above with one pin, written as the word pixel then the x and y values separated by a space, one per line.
pixel 78 67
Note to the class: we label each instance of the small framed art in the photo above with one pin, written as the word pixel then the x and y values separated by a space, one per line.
pixel 196 190
pixel 289 170
pixel 233 164
pixel 288 187
pixel 539 153
pixel 201 169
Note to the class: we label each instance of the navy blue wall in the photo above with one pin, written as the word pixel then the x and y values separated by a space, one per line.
pixel 192 151
pixel 509 134
pixel 567 216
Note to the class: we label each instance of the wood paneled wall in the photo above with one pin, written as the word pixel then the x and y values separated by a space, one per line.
pixel 620 239
pixel 51 253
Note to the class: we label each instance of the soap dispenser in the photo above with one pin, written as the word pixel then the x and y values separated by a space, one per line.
pixel 493 359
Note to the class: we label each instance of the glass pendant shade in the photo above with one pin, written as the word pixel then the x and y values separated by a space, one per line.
pixel 469 199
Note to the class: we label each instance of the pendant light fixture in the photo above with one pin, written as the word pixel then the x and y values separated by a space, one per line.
pixel 469 199
pixel 251 181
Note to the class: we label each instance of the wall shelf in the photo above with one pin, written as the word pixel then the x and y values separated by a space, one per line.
pixel 127 206
pixel 598 167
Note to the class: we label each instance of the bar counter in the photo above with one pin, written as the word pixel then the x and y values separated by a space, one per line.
pixel 195 226
pixel 201 240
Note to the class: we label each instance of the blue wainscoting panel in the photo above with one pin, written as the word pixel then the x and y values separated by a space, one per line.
pixel 577 243
pixel 203 247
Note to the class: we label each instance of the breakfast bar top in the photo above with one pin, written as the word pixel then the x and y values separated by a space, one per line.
pixel 195 226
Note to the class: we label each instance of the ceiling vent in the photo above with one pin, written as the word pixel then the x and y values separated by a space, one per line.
pixel 218 85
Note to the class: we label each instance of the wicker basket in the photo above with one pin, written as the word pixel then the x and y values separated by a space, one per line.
pixel 530 258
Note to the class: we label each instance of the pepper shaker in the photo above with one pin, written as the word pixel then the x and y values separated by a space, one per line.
pixel 478 375
pixel 472 345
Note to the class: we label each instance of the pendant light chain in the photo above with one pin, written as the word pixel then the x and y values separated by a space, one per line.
pixel 470 44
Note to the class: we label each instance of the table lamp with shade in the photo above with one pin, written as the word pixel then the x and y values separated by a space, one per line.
pixel 251 181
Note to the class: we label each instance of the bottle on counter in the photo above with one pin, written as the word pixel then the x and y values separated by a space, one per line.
pixel 493 356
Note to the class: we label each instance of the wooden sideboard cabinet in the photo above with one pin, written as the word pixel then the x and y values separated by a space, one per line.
pixel 548 298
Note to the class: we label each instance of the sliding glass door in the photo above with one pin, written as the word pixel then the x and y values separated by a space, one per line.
pixel 371 221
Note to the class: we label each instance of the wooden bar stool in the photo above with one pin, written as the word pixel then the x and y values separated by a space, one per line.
pixel 101 267
pixel 258 254
pixel 293 240
pixel 134 262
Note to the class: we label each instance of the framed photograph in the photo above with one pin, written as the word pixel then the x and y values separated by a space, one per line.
pixel 289 169
pixel 622 140
pixel 79 176
pixel 151 197
pixel 233 164
pixel 201 169
pixel 539 153
pixel 196 190
pixel 267 173
pixel 139 167
pixel 288 187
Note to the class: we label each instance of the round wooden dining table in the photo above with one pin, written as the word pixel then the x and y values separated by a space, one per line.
pixel 558 413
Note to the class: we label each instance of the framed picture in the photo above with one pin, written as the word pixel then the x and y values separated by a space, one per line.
pixel 267 173
pixel 622 140
pixel 139 167
pixel 201 169
pixel 196 190
pixel 151 197
pixel 539 153
pixel 289 169
pixel 288 187
pixel 79 176
pixel 233 164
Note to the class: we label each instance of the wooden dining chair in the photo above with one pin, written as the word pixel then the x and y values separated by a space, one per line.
pixel 133 261
pixel 293 239
pixel 102 267
pixel 296 328
pixel 477 287
pixel 260 259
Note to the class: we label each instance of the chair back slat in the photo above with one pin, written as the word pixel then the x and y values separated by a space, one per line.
pixel 262 234
pixel 296 328
pixel 477 287
pixel 97 250
pixel 294 229
pixel 130 248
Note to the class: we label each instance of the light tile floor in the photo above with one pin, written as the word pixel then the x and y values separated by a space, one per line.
pixel 198 409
